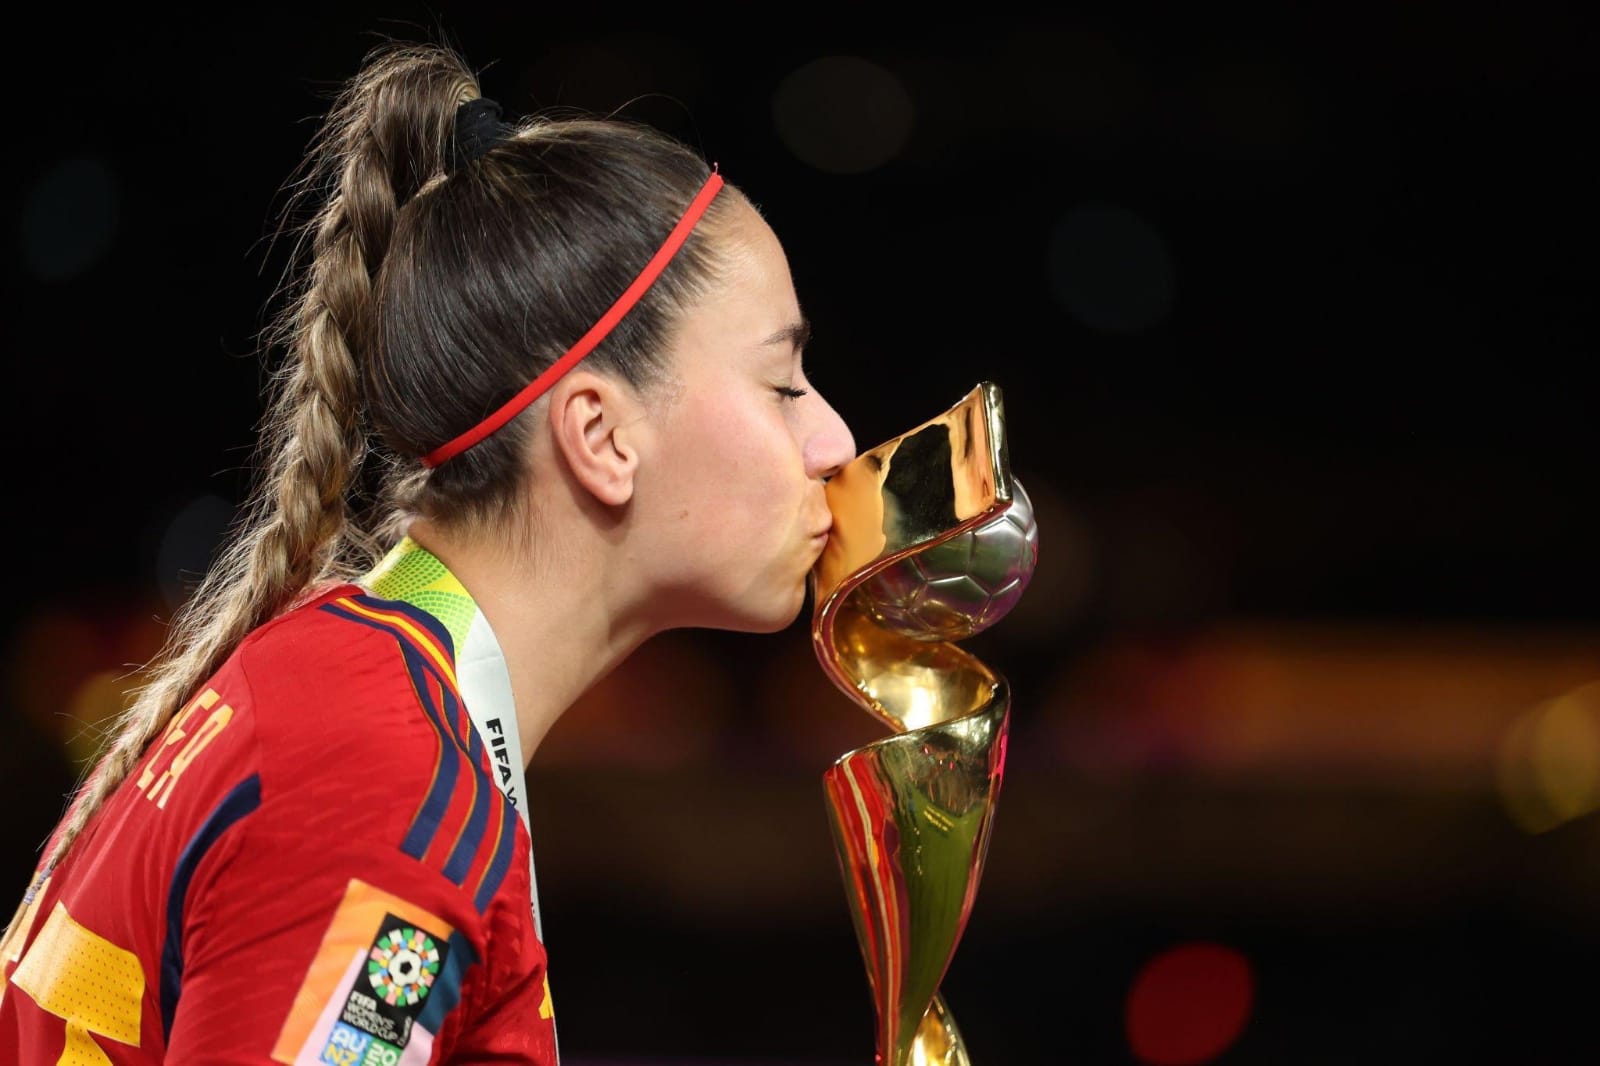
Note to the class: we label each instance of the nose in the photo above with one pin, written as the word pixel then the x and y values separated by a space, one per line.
pixel 829 444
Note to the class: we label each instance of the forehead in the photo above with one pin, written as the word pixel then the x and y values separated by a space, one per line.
pixel 754 279
pixel 750 299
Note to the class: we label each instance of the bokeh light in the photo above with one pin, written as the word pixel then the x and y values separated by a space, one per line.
pixel 1110 269
pixel 69 218
pixel 843 114
pixel 1549 761
pixel 92 713
pixel 187 543
pixel 52 652
pixel 70 671
pixel 1188 1004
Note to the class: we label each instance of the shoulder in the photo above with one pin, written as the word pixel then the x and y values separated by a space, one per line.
pixel 346 670
pixel 339 628
pixel 380 838
pixel 362 734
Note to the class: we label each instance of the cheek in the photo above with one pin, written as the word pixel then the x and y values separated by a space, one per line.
pixel 750 452
pixel 771 476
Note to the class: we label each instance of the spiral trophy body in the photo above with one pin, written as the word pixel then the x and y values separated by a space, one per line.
pixel 932 541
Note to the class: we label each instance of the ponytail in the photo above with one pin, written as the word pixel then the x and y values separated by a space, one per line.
pixel 384 139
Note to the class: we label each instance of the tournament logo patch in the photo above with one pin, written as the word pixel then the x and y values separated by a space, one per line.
pixel 402 966
pixel 351 1047
pixel 384 978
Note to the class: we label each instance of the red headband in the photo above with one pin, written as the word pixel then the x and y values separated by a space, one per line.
pixel 608 321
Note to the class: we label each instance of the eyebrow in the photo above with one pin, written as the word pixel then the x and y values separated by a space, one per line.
pixel 797 334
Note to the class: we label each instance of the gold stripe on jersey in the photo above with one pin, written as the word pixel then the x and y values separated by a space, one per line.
pixel 426 641
pixel 88 982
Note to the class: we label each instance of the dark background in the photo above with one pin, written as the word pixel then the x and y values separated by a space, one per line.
pixel 1292 311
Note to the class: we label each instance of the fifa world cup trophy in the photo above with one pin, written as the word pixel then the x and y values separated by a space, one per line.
pixel 933 540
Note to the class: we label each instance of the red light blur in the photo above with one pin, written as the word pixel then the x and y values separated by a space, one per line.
pixel 1188 1004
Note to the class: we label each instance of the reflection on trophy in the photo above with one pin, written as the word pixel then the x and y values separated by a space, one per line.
pixel 933 541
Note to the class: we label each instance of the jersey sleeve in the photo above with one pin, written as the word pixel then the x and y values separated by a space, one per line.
pixel 300 948
pixel 372 908
pixel 516 1022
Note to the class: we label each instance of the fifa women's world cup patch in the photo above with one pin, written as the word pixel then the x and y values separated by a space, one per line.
pixel 384 977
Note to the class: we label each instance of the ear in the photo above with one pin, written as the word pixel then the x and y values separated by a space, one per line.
pixel 592 422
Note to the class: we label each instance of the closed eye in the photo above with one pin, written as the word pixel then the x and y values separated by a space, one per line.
pixel 789 392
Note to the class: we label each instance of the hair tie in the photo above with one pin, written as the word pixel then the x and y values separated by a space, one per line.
pixel 478 129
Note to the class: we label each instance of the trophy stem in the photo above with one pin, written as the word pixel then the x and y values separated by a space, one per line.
pixel 911 817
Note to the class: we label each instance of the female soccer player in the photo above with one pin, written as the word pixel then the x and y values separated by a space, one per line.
pixel 575 352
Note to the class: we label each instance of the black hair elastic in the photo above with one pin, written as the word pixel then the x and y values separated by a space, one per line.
pixel 478 129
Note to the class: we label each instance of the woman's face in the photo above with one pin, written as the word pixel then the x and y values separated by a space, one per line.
pixel 732 500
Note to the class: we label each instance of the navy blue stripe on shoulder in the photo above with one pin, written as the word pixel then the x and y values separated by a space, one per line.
pixel 393 629
pixel 425 824
pixel 423 619
pixel 505 847
pixel 461 756
pixel 483 798
pixel 240 801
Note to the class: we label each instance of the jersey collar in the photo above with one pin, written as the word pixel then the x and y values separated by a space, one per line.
pixel 414 575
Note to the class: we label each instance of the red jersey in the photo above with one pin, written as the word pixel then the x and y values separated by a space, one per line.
pixel 311 864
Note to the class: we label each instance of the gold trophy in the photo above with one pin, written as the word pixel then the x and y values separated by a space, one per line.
pixel 933 540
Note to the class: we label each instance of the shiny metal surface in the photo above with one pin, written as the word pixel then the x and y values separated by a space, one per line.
pixel 961 586
pixel 933 540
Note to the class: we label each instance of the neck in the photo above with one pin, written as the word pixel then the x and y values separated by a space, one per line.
pixel 561 628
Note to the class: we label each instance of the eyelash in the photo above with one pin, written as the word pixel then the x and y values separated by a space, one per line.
pixel 789 392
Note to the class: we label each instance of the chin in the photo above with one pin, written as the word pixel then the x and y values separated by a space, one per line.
pixel 773 617
pixel 750 607
pixel 776 622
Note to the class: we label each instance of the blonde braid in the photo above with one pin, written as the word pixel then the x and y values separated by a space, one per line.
pixel 382 141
